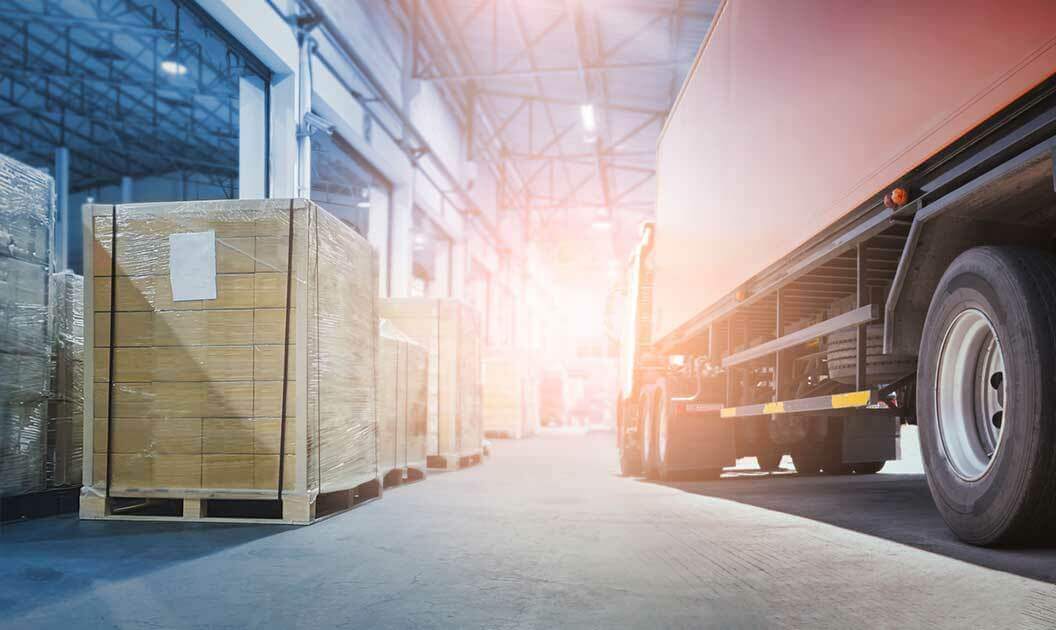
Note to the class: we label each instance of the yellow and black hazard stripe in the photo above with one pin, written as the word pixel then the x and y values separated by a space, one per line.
pixel 852 400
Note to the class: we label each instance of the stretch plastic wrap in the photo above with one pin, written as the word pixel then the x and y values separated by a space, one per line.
pixel 66 408
pixel 207 328
pixel 26 211
pixel 449 331
pixel 402 400
pixel 27 197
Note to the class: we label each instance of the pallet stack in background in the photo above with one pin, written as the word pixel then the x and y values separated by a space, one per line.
pixel 402 402
pixel 510 383
pixel 26 220
pixel 450 331
pixel 190 416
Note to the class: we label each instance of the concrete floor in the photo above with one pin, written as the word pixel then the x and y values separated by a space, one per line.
pixel 544 535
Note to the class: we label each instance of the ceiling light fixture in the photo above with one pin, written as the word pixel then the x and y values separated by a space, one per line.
pixel 173 66
pixel 602 219
pixel 590 122
pixel 586 113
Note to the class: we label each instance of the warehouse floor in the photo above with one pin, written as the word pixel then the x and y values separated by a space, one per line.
pixel 544 535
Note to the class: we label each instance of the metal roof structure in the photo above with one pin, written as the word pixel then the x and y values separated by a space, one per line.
pixel 90 76
pixel 527 69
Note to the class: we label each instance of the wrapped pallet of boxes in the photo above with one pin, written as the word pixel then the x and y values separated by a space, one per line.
pixel 402 402
pixel 26 220
pixel 66 406
pixel 510 388
pixel 211 364
pixel 450 332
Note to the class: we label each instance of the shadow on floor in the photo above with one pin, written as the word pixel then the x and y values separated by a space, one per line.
pixel 48 560
pixel 897 507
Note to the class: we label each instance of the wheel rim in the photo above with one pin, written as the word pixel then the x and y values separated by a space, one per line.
pixel 970 387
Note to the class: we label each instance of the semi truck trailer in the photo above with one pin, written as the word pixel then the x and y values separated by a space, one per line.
pixel 854 230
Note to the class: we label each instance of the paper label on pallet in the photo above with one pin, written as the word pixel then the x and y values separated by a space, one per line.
pixel 192 265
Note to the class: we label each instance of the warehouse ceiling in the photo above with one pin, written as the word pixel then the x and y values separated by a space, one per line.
pixel 536 73
pixel 131 87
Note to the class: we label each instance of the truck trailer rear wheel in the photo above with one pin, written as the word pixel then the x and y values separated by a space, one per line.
pixel 822 451
pixel 665 434
pixel 769 459
pixel 629 449
pixel 648 411
pixel 986 404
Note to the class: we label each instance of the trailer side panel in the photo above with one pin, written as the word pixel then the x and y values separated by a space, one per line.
pixel 798 111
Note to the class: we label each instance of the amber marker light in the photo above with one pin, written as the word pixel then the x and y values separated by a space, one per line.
pixel 896 198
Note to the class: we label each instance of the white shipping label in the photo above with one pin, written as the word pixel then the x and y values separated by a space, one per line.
pixel 192 266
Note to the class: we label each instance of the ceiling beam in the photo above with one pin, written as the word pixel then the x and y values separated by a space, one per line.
pixel 619 107
pixel 575 14
pixel 542 72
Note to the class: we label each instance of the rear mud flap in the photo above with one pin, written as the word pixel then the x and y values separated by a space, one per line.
pixel 871 439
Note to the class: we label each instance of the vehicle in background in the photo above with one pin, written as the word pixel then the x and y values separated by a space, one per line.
pixel 855 222
pixel 592 388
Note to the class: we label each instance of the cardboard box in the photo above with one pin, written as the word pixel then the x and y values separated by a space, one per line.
pixel 24 320
pixel 449 331
pixel 27 210
pixel 26 218
pixel 187 391
pixel 402 400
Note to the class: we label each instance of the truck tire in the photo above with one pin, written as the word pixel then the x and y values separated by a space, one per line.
pixel 630 462
pixel 879 367
pixel 664 435
pixel 630 456
pixel 769 459
pixel 866 468
pixel 813 462
pixel 822 452
pixel 989 347
pixel 650 465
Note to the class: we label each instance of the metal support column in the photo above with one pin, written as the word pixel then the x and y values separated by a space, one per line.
pixel 863 299
pixel 126 189
pixel 60 240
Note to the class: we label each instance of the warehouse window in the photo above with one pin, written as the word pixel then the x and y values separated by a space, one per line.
pixel 343 182
pixel 146 100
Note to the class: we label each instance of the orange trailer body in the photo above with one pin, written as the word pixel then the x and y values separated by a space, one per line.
pixel 796 112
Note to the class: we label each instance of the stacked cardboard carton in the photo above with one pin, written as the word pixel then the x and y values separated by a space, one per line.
pixel 26 219
pixel 196 327
pixel 402 400
pixel 449 331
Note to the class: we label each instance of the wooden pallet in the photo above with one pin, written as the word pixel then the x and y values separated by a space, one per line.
pixel 454 462
pixel 287 511
pixel 392 478
pixel 39 504
pixel 413 474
